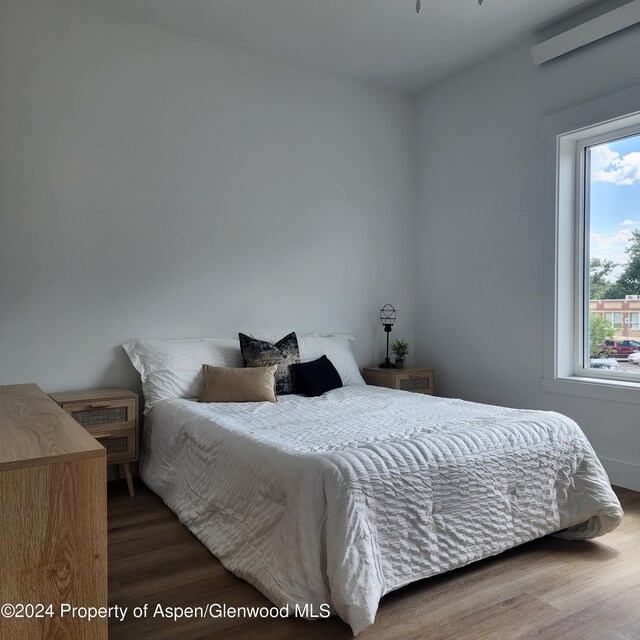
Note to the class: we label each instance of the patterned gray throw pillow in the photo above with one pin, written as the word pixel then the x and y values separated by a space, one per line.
pixel 285 352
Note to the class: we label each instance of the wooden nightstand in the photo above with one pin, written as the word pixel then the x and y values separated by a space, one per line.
pixel 415 380
pixel 111 417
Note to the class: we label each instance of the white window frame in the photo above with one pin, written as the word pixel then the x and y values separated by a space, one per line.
pixel 634 325
pixel 566 309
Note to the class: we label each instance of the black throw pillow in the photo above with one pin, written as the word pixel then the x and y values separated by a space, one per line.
pixel 316 377
pixel 285 352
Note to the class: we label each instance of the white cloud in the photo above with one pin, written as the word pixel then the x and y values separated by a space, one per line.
pixel 611 247
pixel 602 157
pixel 609 166
pixel 630 223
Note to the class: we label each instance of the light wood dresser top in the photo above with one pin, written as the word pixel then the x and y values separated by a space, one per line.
pixel 34 430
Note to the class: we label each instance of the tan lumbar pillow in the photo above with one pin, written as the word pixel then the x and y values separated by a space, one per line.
pixel 222 384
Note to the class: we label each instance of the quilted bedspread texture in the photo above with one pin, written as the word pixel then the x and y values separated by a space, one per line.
pixel 340 499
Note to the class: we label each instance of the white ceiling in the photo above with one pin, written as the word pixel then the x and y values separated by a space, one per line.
pixel 381 41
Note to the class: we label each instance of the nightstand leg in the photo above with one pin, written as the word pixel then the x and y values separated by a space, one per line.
pixel 127 473
pixel 116 472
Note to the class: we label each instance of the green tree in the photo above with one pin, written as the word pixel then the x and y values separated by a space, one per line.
pixel 600 329
pixel 599 270
pixel 629 281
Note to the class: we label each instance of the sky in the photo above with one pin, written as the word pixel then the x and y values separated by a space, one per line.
pixel 614 197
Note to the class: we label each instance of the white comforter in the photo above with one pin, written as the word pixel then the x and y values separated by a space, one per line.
pixel 343 498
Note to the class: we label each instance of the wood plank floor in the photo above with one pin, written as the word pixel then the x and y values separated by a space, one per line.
pixel 546 590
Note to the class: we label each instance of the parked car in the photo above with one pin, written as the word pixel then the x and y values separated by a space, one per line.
pixel 605 363
pixel 618 348
pixel 635 357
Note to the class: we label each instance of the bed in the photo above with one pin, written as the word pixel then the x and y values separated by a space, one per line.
pixel 341 499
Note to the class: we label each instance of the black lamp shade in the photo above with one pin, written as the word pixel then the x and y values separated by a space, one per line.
pixel 387 315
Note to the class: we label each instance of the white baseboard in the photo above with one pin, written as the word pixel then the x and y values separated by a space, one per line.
pixel 622 474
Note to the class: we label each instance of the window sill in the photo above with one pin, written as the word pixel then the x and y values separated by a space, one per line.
pixel 598 389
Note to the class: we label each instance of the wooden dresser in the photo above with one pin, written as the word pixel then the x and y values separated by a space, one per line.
pixel 53 517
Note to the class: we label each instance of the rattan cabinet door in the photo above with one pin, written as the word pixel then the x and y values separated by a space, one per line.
pixel 111 422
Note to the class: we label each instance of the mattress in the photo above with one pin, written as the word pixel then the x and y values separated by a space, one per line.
pixel 340 499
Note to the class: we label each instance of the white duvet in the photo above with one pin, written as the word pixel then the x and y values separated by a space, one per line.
pixel 343 498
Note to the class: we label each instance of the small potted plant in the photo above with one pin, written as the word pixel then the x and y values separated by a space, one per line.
pixel 400 348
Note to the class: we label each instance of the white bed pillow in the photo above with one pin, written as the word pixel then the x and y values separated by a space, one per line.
pixel 337 347
pixel 173 368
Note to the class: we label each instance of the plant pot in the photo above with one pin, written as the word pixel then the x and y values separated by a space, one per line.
pixel 399 363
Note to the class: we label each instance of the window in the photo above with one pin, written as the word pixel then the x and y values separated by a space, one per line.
pixel 592 248
pixel 614 319
pixel 608 224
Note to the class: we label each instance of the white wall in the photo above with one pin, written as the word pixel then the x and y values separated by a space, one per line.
pixel 480 273
pixel 153 184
